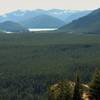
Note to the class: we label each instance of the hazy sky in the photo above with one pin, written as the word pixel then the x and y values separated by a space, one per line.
pixel 11 5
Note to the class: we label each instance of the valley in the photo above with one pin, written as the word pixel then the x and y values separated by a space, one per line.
pixel 40 49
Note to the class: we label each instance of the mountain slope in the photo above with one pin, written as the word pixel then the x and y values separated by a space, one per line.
pixel 76 15
pixel 9 26
pixel 87 24
pixel 43 21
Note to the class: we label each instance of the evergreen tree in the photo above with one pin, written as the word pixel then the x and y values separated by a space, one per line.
pixel 95 86
pixel 77 94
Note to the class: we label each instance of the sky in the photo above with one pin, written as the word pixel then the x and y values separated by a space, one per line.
pixel 12 5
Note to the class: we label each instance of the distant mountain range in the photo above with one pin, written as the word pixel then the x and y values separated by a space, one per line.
pixel 9 26
pixel 69 20
pixel 20 15
pixel 86 24
pixel 63 15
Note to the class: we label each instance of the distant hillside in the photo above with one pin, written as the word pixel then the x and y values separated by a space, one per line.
pixel 9 26
pixel 86 24
pixel 43 21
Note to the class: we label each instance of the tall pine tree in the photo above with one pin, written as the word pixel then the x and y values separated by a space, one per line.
pixel 95 86
pixel 77 94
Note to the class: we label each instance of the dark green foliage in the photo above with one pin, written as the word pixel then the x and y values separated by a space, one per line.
pixel 95 85
pixel 77 92
pixel 25 87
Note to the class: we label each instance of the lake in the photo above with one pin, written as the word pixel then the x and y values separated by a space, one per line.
pixel 36 30
pixel 41 29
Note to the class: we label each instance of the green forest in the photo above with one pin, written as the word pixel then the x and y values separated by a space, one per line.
pixel 30 63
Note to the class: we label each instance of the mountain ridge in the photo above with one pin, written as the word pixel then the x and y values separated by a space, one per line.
pixel 86 24
pixel 43 21
pixel 20 15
